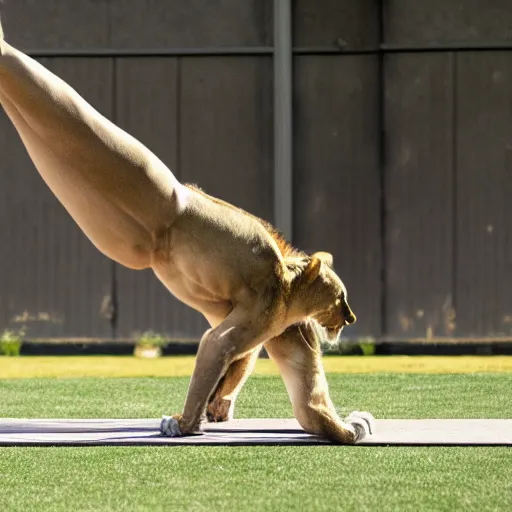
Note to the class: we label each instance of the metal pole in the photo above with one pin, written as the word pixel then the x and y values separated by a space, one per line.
pixel 283 179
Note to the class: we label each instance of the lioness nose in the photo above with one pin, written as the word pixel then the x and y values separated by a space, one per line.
pixel 348 315
pixel 350 320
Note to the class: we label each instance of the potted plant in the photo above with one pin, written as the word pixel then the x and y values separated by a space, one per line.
pixel 149 345
pixel 11 342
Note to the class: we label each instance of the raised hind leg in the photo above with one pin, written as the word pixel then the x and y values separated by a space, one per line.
pixel 298 357
pixel 222 403
pixel 119 193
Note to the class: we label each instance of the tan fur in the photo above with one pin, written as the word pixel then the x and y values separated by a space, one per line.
pixel 253 287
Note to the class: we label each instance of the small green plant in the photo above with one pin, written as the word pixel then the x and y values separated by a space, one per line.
pixel 149 344
pixel 11 342
pixel 356 347
pixel 367 346
pixel 151 339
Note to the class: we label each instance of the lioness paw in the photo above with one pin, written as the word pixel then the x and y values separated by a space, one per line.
pixel 218 410
pixel 363 424
pixel 366 416
pixel 170 427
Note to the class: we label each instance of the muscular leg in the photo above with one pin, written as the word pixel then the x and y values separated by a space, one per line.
pixel 222 403
pixel 231 340
pixel 120 194
pixel 298 357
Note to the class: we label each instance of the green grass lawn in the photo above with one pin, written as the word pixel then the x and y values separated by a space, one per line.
pixel 258 478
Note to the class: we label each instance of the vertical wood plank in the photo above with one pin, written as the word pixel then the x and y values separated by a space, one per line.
pixel 407 22
pixel 226 129
pixel 195 23
pixel 337 177
pixel 419 195
pixel 484 192
pixel 325 23
pixel 146 103
pixel 56 24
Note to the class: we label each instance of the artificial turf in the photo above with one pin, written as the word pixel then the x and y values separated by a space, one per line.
pixel 258 478
pixel 255 478
pixel 385 395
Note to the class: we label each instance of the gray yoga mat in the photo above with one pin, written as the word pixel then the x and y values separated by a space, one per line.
pixel 126 432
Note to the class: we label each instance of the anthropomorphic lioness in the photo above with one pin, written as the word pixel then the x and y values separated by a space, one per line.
pixel 252 287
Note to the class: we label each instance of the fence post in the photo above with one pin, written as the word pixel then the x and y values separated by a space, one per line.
pixel 283 127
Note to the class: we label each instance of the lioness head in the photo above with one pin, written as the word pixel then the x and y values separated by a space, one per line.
pixel 323 295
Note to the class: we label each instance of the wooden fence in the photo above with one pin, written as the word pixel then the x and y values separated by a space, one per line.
pixel 402 137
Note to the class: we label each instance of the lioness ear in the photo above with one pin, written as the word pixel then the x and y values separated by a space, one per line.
pixel 313 269
pixel 326 257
